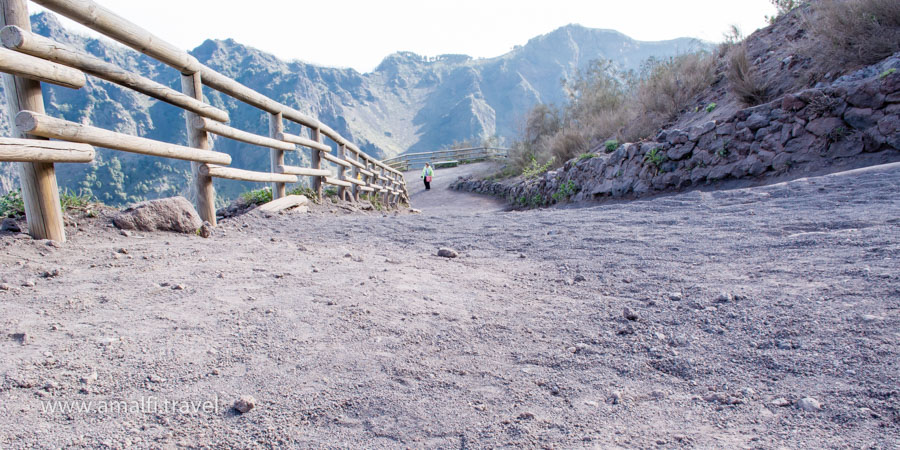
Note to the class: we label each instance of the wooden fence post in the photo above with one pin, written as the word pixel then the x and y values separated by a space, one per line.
pixel 342 154
pixel 38 179
pixel 316 162
pixel 354 191
pixel 276 128
pixel 197 138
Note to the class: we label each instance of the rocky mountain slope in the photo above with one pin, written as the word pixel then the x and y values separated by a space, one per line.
pixel 408 103
pixel 847 122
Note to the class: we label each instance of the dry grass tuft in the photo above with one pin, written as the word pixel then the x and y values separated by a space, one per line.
pixel 744 81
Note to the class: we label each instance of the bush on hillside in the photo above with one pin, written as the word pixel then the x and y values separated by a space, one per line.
pixel 743 80
pixel 846 35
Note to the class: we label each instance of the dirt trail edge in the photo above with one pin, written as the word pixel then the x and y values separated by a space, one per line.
pixel 441 200
pixel 761 317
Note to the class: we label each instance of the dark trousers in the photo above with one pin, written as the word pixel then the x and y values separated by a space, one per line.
pixel 427 184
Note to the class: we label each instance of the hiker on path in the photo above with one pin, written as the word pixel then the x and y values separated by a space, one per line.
pixel 427 174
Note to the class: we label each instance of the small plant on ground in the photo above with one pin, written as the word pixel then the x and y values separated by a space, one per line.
pixel 585 156
pixel 611 145
pixel 12 205
pixel 724 151
pixel 536 169
pixel 565 191
pixel 70 200
pixel 744 79
pixel 655 157
pixel 257 197
pixel 887 73
pixel 711 107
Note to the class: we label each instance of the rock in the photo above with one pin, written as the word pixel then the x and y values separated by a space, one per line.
pixel 860 118
pixel 205 230
pixel 169 214
pixel 123 251
pixel 676 296
pixel 808 404
pixel 29 283
pixel 697 131
pixel 722 399
pixel 757 121
pixel 51 273
pixel 125 233
pixel 5 287
pixel 824 125
pixel 447 253
pixel 629 314
pixel 579 278
pixel 245 404
pixel 90 379
pixel 178 287
pixel 10 225
pixel 156 379
pixel 615 398
pixel 21 337
pixel 725 297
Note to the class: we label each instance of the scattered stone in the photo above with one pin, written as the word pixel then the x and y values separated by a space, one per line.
pixel 629 314
pixel 780 402
pixel 579 278
pixel 725 297
pixel 205 230
pixel 29 283
pixel 10 225
pixel 51 273
pixel 178 287
pixel 123 251
pixel 447 253
pixel 153 378
pixel 5 287
pixel 244 404
pixel 615 398
pixel 169 214
pixel 90 379
pixel 676 296
pixel 626 330
pixel 809 404
pixel 722 399
pixel 526 416
pixel 125 233
pixel 21 338
pixel 868 318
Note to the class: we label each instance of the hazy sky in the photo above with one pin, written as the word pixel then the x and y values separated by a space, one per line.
pixel 359 34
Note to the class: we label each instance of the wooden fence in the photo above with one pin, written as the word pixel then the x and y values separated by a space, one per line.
pixel 409 161
pixel 28 59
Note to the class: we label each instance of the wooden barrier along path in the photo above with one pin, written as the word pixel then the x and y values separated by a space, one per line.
pixel 28 59
pixel 409 161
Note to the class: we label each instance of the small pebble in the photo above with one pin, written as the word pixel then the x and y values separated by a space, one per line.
pixel 809 404
pixel 245 404
pixel 447 253
pixel 629 314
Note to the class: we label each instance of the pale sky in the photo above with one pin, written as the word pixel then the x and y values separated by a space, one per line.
pixel 359 34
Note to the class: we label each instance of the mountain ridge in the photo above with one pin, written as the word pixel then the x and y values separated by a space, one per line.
pixel 409 102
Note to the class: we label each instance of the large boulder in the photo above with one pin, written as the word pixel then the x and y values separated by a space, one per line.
pixel 168 214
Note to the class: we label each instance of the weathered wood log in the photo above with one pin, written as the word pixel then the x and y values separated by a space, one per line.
pixel 302 141
pixel 355 163
pixel 108 23
pixel 27 66
pixel 36 45
pixel 336 182
pixel 355 181
pixel 335 159
pixel 283 203
pixel 366 173
pixel 276 155
pixel 203 191
pixel 341 154
pixel 304 171
pixel 211 126
pixel 40 150
pixel 366 189
pixel 42 125
pixel 316 163
pixel 231 173
pixel 38 180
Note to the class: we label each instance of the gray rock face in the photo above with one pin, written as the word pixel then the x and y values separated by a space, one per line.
pixel 10 225
pixel 765 140
pixel 168 214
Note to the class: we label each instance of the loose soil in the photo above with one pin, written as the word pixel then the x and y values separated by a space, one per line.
pixel 349 331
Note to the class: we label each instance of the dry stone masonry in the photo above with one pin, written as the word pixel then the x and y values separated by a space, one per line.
pixel 804 131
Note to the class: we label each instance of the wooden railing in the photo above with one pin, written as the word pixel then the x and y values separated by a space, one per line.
pixel 409 161
pixel 29 59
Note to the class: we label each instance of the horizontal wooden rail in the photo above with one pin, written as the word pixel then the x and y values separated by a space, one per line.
pixel 336 182
pixel 37 69
pixel 302 141
pixel 108 23
pixel 367 172
pixel 39 150
pixel 356 163
pixel 366 189
pixel 303 171
pixel 355 181
pixel 36 45
pixel 37 124
pixel 211 126
pixel 231 173
pixel 335 159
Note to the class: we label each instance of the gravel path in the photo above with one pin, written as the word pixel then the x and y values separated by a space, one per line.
pixel 702 319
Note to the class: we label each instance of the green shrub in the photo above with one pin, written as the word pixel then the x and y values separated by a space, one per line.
pixel 711 107
pixel 565 191
pixel 611 145
pixel 257 197
pixel 655 157
pixel 69 200
pixel 887 73
pixel 12 204
pixel 586 156
pixel 536 169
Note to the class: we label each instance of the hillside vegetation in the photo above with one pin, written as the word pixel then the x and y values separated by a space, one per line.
pixel 805 45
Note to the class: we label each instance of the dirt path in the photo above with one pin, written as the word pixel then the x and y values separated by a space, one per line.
pixel 442 201
pixel 350 332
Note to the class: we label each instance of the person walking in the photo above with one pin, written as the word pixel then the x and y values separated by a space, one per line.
pixel 427 174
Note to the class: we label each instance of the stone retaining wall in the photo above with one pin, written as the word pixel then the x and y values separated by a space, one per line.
pixel 804 131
